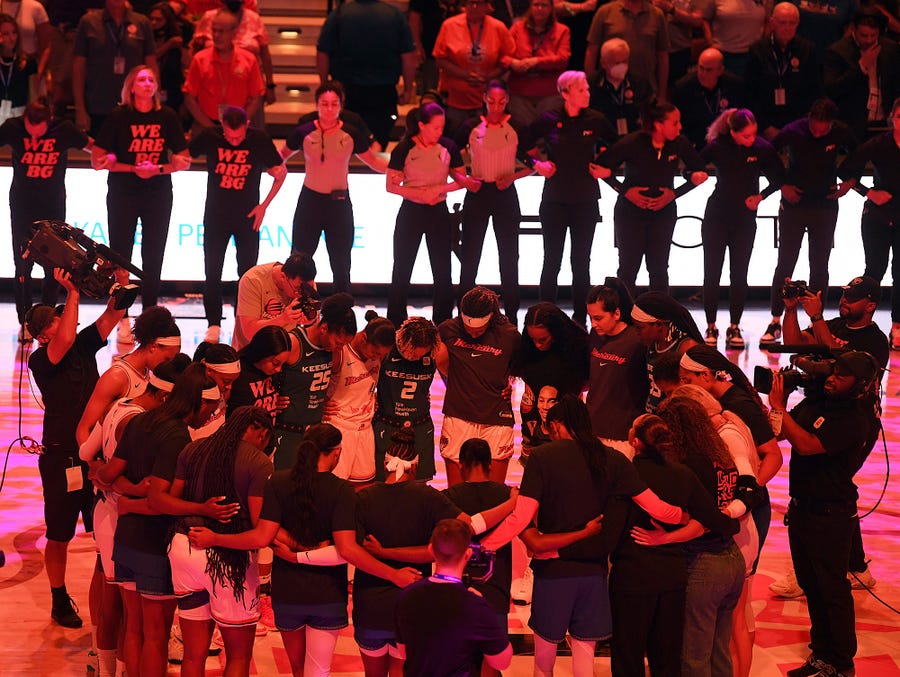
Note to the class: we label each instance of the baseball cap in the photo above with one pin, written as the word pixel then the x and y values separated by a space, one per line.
pixel 863 287
pixel 858 363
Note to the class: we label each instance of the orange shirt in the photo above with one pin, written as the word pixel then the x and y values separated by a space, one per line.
pixel 214 82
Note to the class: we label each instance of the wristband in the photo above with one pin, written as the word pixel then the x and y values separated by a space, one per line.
pixel 162 169
pixel 271 85
pixel 303 557
pixel 815 318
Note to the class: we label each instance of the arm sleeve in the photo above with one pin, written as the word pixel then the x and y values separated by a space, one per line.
pixel 654 506
pixel 520 518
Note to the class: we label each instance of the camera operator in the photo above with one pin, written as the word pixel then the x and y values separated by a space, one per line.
pixel 829 434
pixel 268 295
pixel 65 369
pixel 853 329
pixel 453 641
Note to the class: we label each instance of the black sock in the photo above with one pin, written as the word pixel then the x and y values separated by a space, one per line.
pixel 265 588
pixel 60 596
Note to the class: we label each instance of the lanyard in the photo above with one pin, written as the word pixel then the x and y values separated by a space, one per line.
pixel 782 59
pixel 118 36
pixel 715 109
pixel 445 577
pixel 7 80
pixel 476 39
pixel 618 95
pixel 537 40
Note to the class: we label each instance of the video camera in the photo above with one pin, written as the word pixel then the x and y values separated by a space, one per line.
pixel 480 566
pixel 794 289
pixel 308 301
pixel 56 244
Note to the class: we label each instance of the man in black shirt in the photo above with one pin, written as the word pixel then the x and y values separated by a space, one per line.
pixel 65 370
pixel 453 641
pixel 829 435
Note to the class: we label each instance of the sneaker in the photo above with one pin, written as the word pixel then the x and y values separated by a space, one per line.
pixel 712 336
pixel 266 615
pixel 176 650
pixel 124 334
pixel 522 588
pixel 773 333
pixel 813 666
pixel 787 586
pixel 212 334
pixel 861 580
pixel 733 339
pixel 895 337
pixel 66 614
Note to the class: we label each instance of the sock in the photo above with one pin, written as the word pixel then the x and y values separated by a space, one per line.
pixel 265 588
pixel 120 668
pixel 60 596
pixel 107 662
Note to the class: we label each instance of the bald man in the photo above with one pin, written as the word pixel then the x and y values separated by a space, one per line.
pixel 617 92
pixel 782 73
pixel 703 94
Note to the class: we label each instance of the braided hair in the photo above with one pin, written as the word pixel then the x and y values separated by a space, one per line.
pixel 210 472
pixel 318 439
pixel 572 413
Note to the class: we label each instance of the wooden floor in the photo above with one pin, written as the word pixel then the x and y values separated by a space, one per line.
pixel 30 644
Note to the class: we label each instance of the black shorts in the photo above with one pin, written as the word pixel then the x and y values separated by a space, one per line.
pixel 61 506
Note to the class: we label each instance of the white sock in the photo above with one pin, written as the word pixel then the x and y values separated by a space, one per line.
pixel 107 662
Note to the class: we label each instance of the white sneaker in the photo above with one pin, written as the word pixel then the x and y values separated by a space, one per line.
pixel 124 335
pixel 212 334
pixel 861 580
pixel 522 588
pixel 787 586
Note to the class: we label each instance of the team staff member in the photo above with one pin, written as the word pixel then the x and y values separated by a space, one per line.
pixel 618 386
pixel 259 381
pixel 39 147
pixel 572 135
pixel 809 199
pixel 828 437
pixel 417 172
pixel 740 157
pixel 492 143
pixel 350 406
pixel 236 156
pixel 328 137
pixel 476 355
pixel 645 212
pixel 306 375
pixel 64 367
pixel 881 211
pixel 403 397
pixel 141 144
pixel 463 632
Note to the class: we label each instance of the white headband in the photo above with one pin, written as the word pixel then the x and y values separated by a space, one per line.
pixel 212 394
pixel 639 315
pixel 160 384
pixel 475 322
pixel 693 365
pixel 169 341
pixel 224 367
pixel 397 465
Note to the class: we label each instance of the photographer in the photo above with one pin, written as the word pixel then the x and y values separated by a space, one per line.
pixel 451 642
pixel 65 370
pixel 267 295
pixel 829 435
pixel 854 329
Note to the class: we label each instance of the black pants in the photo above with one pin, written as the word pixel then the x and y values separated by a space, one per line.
pixel 581 219
pixel 880 238
pixel 819 222
pixel 644 233
pixel 413 221
pixel 217 231
pixel 319 213
pixel 154 209
pixel 736 231
pixel 502 207
pixel 820 539
pixel 22 213
pixel 648 624
pixel 377 106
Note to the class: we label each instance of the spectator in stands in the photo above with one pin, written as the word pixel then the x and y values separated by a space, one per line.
pixel 222 75
pixel 425 19
pixel 542 51
pixel 367 45
pixel 823 22
pixel 577 16
pixel 685 19
pixel 643 27
pixel 734 25
pixel 64 17
pixel 251 35
pixel 169 54
pixel 705 94
pixel 34 30
pixel 616 92
pixel 17 68
pixel 108 45
pixel 782 74
pixel 266 295
pixel 862 74
pixel 471 49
